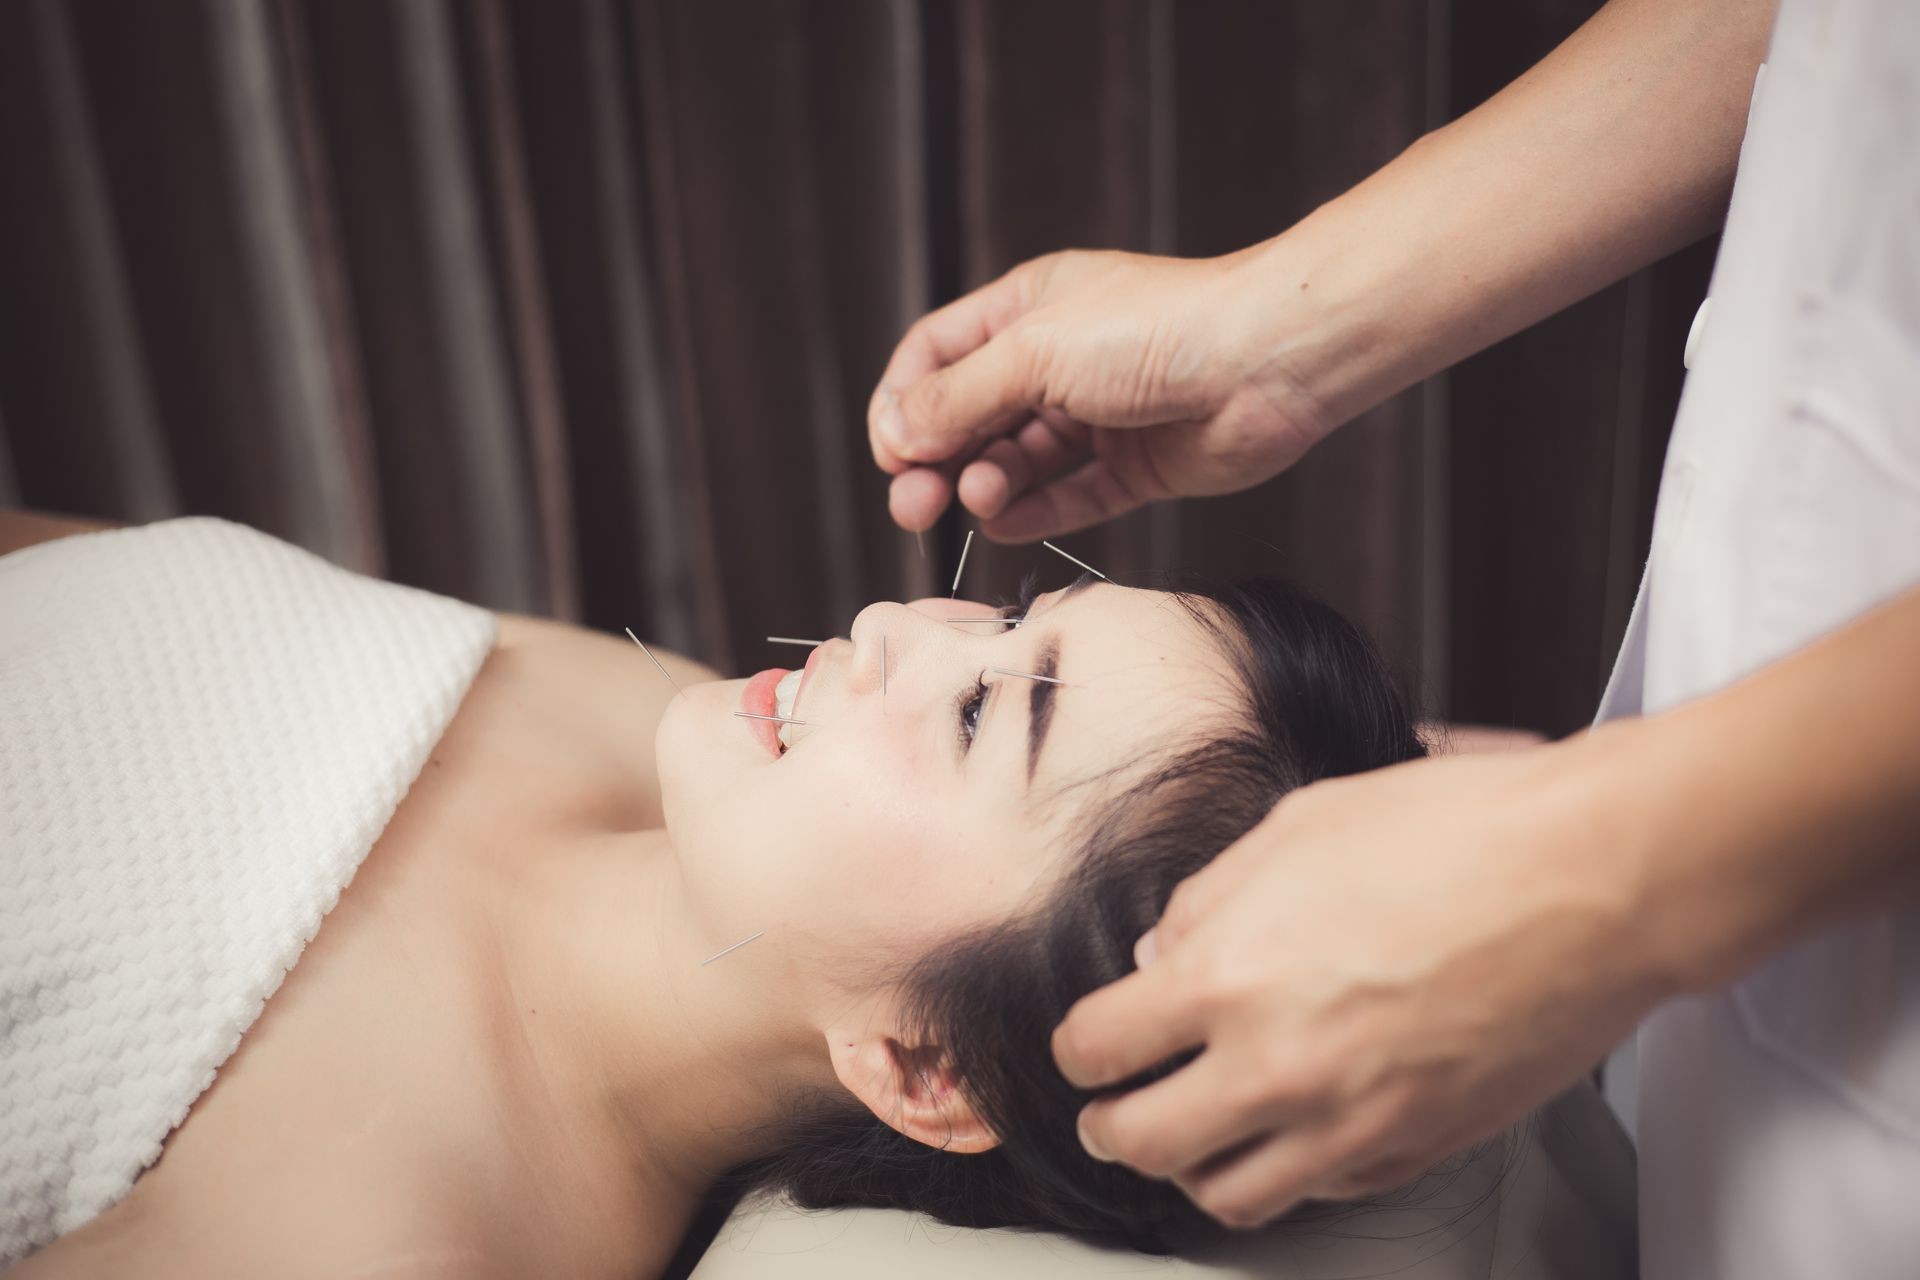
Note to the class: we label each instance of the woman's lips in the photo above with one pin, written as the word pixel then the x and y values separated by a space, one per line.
pixel 757 699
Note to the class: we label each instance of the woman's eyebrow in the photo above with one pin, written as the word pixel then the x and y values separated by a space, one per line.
pixel 1040 696
pixel 1041 693
pixel 1073 589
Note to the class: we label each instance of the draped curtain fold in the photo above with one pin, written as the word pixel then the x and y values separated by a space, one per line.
pixel 573 306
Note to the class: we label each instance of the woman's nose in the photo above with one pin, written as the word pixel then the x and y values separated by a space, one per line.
pixel 889 641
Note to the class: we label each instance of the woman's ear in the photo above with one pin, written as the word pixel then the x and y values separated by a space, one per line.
pixel 912 1089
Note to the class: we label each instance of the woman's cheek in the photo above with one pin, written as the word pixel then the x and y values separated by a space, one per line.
pixel 854 830
pixel 855 827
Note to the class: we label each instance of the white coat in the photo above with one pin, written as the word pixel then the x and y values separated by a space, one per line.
pixel 1779 1120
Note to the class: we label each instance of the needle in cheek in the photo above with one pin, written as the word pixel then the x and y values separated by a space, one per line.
pixel 656 662
pixel 735 947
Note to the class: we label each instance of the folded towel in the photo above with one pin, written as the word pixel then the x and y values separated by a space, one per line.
pixel 203 731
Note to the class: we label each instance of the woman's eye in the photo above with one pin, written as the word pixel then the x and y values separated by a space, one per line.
pixel 972 702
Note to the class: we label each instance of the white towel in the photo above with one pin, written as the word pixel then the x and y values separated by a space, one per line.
pixel 203 731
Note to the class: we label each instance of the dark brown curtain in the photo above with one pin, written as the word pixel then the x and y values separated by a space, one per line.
pixel 573 306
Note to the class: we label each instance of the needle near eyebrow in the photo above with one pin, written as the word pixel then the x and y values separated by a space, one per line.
pixel 962 566
pixel 1082 563
pixel 1027 675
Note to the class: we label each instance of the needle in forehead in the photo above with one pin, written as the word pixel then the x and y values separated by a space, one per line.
pixel 962 566
pixel 1082 563
pixel 1029 675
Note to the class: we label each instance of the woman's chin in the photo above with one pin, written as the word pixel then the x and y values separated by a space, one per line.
pixel 690 725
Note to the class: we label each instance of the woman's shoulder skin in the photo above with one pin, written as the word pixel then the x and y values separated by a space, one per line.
pixel 20 528
pixel 377 1116
pixel 601 691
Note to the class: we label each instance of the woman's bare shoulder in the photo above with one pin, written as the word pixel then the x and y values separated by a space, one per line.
pixel 20 528
pixel 596 697
pixel 160 1251
pixel 603 648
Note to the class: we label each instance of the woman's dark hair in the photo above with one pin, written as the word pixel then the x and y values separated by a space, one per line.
pixel 1316 702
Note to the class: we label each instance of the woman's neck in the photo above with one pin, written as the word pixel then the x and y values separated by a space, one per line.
pixel 670 1071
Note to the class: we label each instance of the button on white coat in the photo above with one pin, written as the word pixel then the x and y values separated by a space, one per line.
pixel 1693 333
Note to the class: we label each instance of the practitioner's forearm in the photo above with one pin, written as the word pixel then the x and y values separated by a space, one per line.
pixel 1784 803
pixel 1616 149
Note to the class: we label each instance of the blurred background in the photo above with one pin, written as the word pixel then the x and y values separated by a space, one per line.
pixel 572 307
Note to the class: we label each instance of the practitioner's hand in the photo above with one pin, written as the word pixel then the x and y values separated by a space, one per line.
pixel 1387 969
pixel 1082 385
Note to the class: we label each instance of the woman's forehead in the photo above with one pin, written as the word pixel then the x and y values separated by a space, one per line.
pixel 1141 671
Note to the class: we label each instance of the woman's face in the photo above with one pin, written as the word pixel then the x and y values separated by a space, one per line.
pixel 924 794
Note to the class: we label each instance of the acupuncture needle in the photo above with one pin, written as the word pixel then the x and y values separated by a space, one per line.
pixel 735 947
pixel 676 684
pixel 1077 560
pixel 962 566
pixel 1028 675
pixel 656 662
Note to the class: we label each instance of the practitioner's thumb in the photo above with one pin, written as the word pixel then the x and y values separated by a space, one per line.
pixel 986 392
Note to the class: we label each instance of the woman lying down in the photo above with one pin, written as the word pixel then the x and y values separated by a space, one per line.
pixel 523 1041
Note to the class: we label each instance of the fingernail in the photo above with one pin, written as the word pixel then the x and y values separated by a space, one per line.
pixel 1146 949
pixel 893 423
pixel 1093 1148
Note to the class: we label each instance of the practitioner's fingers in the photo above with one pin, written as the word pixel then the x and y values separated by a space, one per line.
pixel 969 403
pixel 1177 1123
pixel 991 480
pixel 917 497
pixel 1037 453
pixel 1056 443
pixel 1252 1188
pixel 1377 1178
pixel 1123 1028
pixel 1196 897
pixel 1086 496
pixel 1048 446
pixel 932 343
pixel 947 333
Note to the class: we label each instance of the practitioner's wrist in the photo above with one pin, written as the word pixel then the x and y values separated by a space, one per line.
pixel 1625 804
pixel 1341 314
